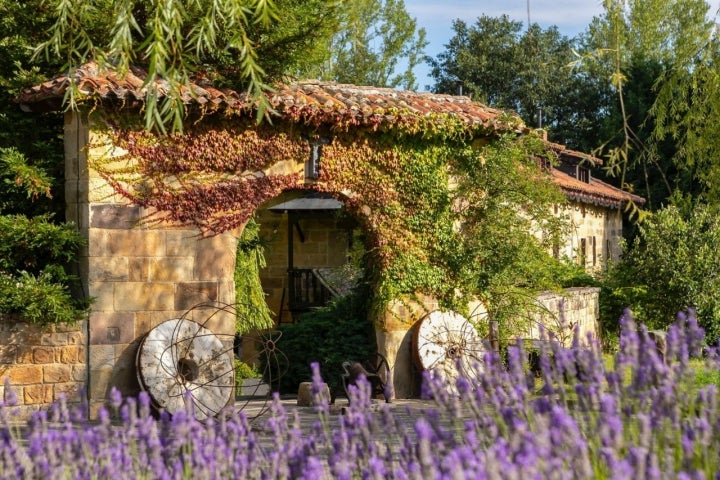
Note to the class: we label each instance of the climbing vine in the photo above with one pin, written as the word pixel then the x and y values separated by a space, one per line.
pixel 449 211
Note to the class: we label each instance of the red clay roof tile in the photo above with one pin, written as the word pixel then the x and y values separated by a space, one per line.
pixel 342 103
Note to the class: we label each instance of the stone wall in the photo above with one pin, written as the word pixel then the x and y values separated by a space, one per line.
pixel 138 275
pixel 595 235
pixel 42 364
pixel 574 307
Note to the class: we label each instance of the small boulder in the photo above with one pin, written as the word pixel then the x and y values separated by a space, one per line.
pixel 305 394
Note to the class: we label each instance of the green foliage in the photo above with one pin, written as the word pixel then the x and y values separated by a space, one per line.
pixel 672 265
pixel 329 335
pixel 300 42
pixel 499 62
pixel 173 39
pixel 373 36
pixel 34 249
pixel 705 375
pixel 32 244
pixel 43 299
pixel 244 371
pixel 252 310
pixel 34 284
pixel 660 58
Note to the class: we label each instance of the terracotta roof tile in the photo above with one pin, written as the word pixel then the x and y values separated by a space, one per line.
pixel 306 99
pixel 341 103
pixel 596 192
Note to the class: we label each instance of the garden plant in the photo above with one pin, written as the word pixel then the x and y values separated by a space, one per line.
pixel 640 416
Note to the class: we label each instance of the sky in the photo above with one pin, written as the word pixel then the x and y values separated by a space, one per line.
pixel 436 16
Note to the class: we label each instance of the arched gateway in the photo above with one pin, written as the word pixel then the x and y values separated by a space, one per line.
pixel 162 214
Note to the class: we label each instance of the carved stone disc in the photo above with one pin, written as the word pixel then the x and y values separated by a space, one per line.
pixel 448 343
pixel 181 363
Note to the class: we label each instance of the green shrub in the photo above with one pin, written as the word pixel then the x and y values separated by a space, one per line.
pixel 40 299
pixel 672 265
pixel 329 335
pixel 244 371
pixel 31 244
pixel 34 285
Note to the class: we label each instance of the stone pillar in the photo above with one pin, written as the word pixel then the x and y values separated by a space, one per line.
pixel 394 340
pixel 139 276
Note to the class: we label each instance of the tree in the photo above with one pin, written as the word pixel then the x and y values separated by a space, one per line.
pixel 671 265
pixel 173 39
pixel 373 36
pixel 670 50
pixel 528 72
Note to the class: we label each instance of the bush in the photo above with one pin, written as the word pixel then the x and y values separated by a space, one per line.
pixel 672 265
pixel 32 244
pixel 329 335
pixel 34 285
pixel 43 299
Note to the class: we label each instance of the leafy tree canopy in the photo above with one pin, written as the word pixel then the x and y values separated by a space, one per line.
pixel 526 71
pixel 660 58
pixel 670 266
pixel 374 36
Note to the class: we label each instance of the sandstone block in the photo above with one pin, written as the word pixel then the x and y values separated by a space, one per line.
pixel 102 356
pixel 104 295
pixel 70 354
pixel 79 373
pixel 130 243
pixel 57 373
pixel 114 216
pixel 109 269
pixel 24 374
pixel 76 338
pixel 8 354
pixel 172 269
pixel 42 355
pixel 24 354
pixel 189 294
pixel 181 243
pixel 54 339
pixel 138 269
pixel 69 390
pixel 133 296
pixel 215 259
pixel 111 328
pixel 99 383
pixel 33 394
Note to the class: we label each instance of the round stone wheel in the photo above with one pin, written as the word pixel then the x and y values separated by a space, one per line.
pixel 447 343
pixel 182 364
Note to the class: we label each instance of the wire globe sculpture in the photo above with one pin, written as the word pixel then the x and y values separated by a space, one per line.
pixel 184 366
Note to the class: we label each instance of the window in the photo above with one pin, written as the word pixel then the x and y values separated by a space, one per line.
pixel 583 251
pixel 594 250
pixel 583 174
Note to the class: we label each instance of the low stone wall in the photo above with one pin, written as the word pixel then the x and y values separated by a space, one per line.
pixel 563 312
pixel 41 364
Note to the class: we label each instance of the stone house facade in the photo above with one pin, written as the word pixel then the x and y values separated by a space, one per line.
pixel 142 275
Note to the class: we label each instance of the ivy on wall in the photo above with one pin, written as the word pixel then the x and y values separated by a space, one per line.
pixel 449 211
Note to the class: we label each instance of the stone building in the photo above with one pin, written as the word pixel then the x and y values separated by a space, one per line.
pixel 141 275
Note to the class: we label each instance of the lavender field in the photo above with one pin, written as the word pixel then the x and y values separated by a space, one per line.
pixel 582 417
